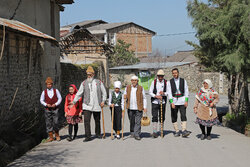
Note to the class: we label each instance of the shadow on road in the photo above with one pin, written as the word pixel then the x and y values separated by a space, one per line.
pixel 213 136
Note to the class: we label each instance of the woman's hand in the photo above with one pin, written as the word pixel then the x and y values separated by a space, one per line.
pixel 80 114
pixel 211 105
pixel 195 110
pixel 65 114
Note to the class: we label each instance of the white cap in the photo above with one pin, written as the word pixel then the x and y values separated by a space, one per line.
pixel 134 77
pixel 160 72
pixel 117 84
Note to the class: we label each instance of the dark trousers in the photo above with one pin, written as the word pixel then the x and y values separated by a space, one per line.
pixel 156 112
pixel 87 117
pixel 135 122
pixel 117 118
pixel 174 113
pixel 51 120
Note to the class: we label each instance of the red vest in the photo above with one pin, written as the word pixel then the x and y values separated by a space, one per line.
pixel 49 100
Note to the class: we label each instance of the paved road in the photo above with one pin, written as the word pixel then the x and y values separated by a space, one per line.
pixel 226 149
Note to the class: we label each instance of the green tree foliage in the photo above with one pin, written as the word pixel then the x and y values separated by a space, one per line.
pixel 122 55
pixel 223 31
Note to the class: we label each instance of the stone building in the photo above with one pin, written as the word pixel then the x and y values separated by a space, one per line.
pixel 29 52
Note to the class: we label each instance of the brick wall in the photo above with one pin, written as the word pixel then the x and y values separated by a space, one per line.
pixel 141 43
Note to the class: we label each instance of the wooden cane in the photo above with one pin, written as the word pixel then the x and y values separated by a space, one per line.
pixel 123 118
pixel 103 124
pixel 112 136
pixel 161 121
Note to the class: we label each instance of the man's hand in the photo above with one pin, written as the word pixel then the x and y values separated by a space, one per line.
pixel 186 104
pixel 211 105
pixel 102 104
pixel 80 114
pixel 123 113
pixel 65 114
pixel 71 104
pixel 145 110
pixel 158 97
pixel 48 105
pixel 125 96
pixel 53 106
pixel 173 106
pixel 112 105
pixel 162 93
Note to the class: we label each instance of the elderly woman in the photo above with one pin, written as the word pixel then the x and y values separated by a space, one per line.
pixel 205 108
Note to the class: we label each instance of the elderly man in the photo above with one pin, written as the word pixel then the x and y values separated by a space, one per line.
pixel 136 105
pixel 51 99
pixel 178 97
pixel 94 96
pixel 158 93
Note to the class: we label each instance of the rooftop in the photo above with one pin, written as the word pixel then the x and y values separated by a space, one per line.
pixel 145 66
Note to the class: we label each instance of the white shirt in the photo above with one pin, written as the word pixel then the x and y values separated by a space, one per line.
pixel 159 87
pixel 179 100
pixel 116 95
pixel 93 103
pixel 50 94
pixel 133 100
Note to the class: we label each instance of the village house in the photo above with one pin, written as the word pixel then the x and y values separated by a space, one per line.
pixel 29 52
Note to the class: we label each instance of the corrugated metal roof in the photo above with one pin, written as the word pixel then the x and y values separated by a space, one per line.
pixel 110 26
pixel 145 66
pixel 19 26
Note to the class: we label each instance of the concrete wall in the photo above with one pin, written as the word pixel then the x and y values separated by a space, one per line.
pixel 192 73
pixel 37 14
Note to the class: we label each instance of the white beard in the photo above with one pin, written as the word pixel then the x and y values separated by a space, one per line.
pixel 90 79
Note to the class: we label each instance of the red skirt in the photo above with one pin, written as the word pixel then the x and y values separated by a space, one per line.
pixel 75 119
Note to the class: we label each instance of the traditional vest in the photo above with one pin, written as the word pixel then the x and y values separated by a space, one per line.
pixel 155 89
pixel 175 92
pixel 49 100
pixel 139 97
pixel 116 100
pixel 86 93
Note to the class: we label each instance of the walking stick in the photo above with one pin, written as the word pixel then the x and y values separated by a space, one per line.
pixel 161 121
pixel 103 124
pixel 112 136
pixel 123 118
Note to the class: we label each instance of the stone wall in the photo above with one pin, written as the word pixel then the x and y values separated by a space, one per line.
pixel 193 74
pixel 75 74
pixel 21 116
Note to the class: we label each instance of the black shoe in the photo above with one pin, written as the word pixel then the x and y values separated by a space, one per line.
pixel 203 137
pixel 87 139
pixel 74 137
pixel 209 137
pixel 177 134
pixel 154 135
pixel 98 136
pixel 186 133
pixel 137 138
pixel 69 138
pixel 132 136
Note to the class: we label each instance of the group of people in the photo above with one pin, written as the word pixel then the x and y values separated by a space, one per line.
pixel 91 96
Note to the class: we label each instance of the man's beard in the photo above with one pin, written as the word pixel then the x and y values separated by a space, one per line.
pixel 90 79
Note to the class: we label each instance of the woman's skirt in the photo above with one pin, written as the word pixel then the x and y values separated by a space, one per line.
pixel 73 119
pixel 208 123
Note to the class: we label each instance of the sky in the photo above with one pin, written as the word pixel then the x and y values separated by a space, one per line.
pixel 162 16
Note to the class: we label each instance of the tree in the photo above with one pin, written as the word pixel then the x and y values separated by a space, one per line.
pixel 122 55
pixel 223 31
